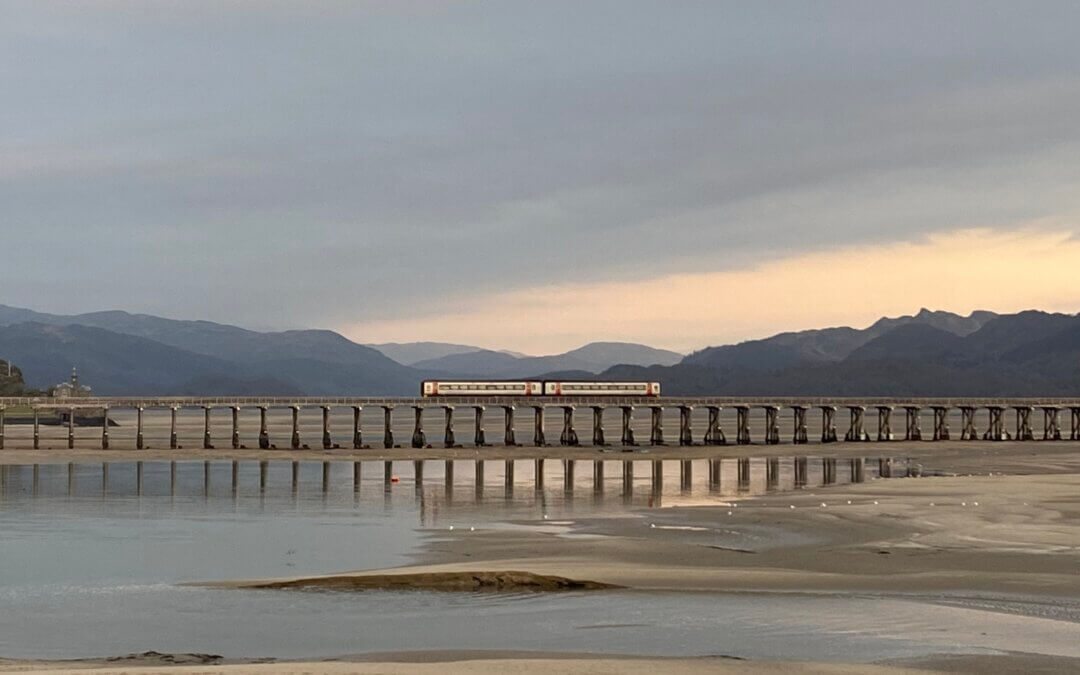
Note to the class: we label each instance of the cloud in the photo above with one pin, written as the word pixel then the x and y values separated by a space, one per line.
pixel 959 271
pixel 344 160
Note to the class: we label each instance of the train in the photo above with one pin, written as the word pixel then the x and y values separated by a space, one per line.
pixel 436 388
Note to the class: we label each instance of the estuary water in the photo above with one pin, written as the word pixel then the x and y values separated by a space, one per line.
pixel 91 558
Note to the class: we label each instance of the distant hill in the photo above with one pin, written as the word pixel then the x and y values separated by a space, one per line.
pixel 826 344
pixel 410 353
pixel 115 364
pixel 1027 354
pixel 590 359
pixel 287 362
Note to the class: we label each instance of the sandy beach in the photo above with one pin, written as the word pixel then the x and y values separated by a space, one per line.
pixel 1003 522
pixel 986 533
pixel 492 663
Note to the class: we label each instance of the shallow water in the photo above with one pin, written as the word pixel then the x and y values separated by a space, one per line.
pixel 90 556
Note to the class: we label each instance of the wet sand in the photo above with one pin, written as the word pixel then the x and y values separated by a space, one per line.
pixel 491 663
pixel 1006 526
pixel 987 534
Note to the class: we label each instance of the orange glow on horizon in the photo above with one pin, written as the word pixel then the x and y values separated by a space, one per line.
pixel 958 271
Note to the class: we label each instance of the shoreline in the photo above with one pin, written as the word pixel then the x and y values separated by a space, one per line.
pixel 526 662
pixel 948 457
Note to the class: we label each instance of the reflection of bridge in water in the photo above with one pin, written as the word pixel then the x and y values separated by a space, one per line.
pixel 697 420
pixel 639 482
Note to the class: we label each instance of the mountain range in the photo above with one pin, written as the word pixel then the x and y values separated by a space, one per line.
pixel 592 358
pixel 118 353
pixel 926 354
pixel 1031 353
pixel 411 353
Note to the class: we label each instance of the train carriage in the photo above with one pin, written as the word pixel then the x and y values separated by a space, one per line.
pixel 581 388
pixel 480 388
pixel 433 388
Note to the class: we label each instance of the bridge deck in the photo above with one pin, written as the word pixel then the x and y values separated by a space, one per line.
pixel 497 401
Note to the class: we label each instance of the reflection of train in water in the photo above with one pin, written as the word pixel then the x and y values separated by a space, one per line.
pixel 537 388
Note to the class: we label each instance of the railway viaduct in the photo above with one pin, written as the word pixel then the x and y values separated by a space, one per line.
pixel 992 427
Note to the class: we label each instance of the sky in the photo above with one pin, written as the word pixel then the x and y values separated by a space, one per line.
pixel 537 175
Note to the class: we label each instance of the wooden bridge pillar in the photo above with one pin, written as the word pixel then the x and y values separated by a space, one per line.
pixel 742 424
pixel 772 425
pixel 235 436
pixel 656 478
pixel 1074 429
pixel 327 441
pixel 508 477
pixel 568 476
pixel 138 429
pixel 419 439
pixel 538 426
pixel 418 475
pixel 686 475
pixel 479 439
pixel 627 426
pixel 2 409
pixel 508 426
pixel 801 471
pixel 388 426
pixel 714 474
pixel 1051 423
pixel 885 467
pixel 627 479
pixel 912 430
pixel 996 424
pixel 538 473
pixel 1024 432
pixel 858 469
pixel 174 442
pixel 828 470
pixel 449 441
pixel 714 434
pixel 884 423
pixel 744 473
pixel 478 478
pixel 856 432
pixel 968 432
pixel 598 426
pixel 295 427
pixel 598 476
pixel 105 428
pixel 828 423
pixel 568 436
pixel 799 436
pixel 264 431
pixel 357 433
pixel 71 429
pixel 772 472
pixel 941 422
pixel 686 433
pixel 207 445
pixel 656 432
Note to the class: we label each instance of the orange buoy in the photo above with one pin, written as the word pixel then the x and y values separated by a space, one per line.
pixel 395 479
